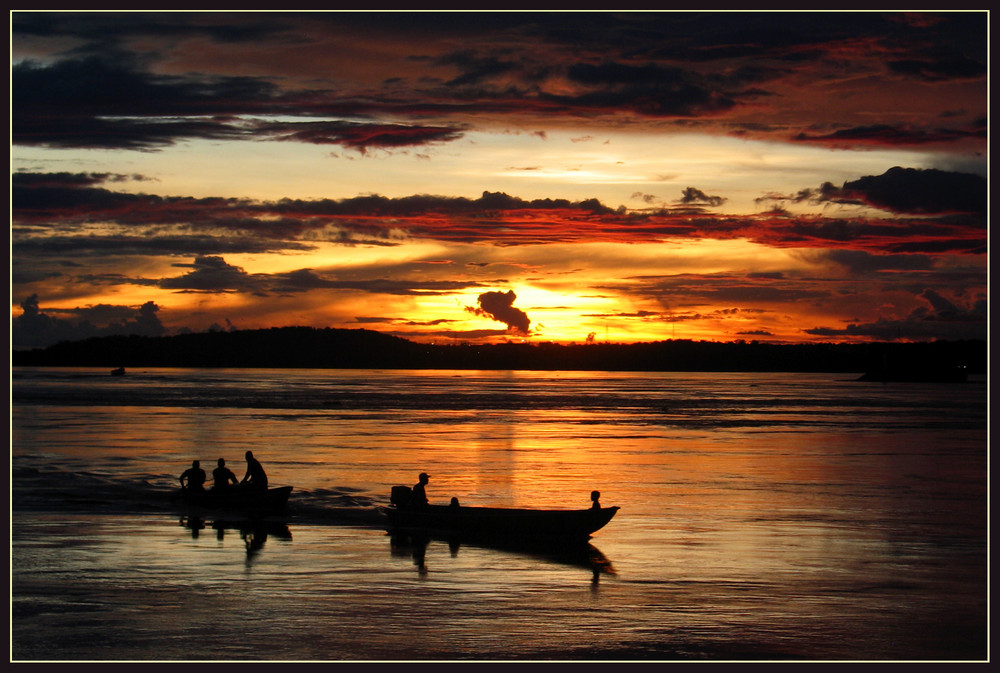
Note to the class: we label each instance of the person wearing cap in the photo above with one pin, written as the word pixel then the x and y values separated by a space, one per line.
pixel 419 496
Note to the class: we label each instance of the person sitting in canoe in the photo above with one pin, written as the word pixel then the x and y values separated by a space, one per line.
pixel 418 498
pixel 193 478
pixel 223 476
pixel 255 477
pixel 595 496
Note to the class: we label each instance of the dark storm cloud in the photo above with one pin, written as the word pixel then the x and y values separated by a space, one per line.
pixel 69 180
pixel 36 328
pixel 303 280
pixel 94 28
pixel 161 244
pixel 499 306
pixel 944 69
pixel 651 90
pixel 889 135
pixel 64 204
pixel 475 68
pixel 666 65
pixel 941 318
pixel 923 236
pixel 359 136
pixel 862 263
pixel 959 200
pixel 37 199
pixel 213 274
pixel 912 191
pixel 96 103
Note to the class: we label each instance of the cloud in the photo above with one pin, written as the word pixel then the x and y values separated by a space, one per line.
pixel 889 135
pixel 98 102
pixel 917 191
pixel 499 306
pixel 213 274
pixel 306 279
pixel 861 263
pixel 945 69
pixel 359 136
pixel 652 90
pixel 51 214
pixel 476 69
pixel 146 81
pixel 941 318
pixel 694 196
pixel 35 328
pixel 957 199
pixel 94 102
pixel 43 248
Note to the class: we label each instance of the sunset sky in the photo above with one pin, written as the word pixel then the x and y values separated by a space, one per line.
pixel 464 176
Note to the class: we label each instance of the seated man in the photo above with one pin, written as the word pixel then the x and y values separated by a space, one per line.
pixel 223 476
pixel 193 478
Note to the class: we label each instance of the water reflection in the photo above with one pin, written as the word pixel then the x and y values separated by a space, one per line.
pixel 415 546
pixel 252 532
pixel 582 554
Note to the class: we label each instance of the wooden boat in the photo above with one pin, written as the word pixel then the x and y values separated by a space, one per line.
pixel 238 500
pixel 495 523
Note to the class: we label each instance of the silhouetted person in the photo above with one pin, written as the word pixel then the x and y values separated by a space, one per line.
pixel 223 476
pixel 595 496
pixel 193 478
pixel 255 477
pixel 419 496
pixel 454 502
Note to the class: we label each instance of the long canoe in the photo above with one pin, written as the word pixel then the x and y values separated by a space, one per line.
pixel 499 523
pixel 238 500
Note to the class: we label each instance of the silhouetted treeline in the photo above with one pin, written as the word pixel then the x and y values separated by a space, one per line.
pixel 308 347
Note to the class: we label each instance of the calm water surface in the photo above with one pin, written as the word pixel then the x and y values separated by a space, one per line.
pixel 769 516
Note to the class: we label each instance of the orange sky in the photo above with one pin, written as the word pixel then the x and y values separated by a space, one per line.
pixel 465 176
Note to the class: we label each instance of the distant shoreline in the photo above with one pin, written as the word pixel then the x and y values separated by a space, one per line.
pixel 328 348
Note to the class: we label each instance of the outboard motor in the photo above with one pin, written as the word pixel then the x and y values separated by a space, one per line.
pixel 400 496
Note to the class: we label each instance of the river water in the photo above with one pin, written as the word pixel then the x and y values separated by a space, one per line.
pixel 763 517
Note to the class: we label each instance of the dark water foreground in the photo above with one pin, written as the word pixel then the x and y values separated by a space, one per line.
pixel 763 518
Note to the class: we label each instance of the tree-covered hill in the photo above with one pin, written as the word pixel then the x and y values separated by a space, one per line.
pixel 308 347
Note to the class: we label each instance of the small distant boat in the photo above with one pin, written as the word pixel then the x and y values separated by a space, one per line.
pixel 238 500
pixel 495 523
pixel 118 372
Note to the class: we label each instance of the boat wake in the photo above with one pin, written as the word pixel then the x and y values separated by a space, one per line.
pixel 53 490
